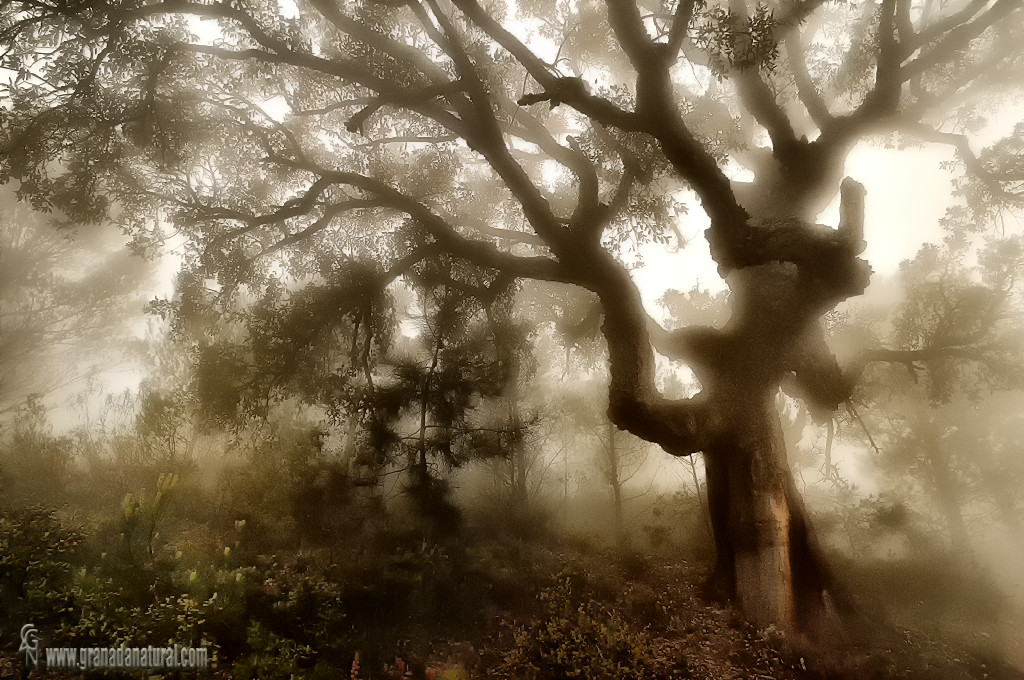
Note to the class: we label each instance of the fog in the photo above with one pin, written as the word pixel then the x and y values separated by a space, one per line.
pixel 442 340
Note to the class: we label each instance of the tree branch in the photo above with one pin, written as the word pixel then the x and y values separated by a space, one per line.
pixel 959 37
pixel 934 31
pixel 381 42
pixel 680 26
pixel 760 101
pixel 794 13
pixel 478 252
pixel 658 118
pixel 403 99
pixel 909 357
pixel 963 148
pixel 806 91
pixel 817 377
pixel 884 97
pixel 292 208
pixel 338 69
pixel 486 138
pixel 538 70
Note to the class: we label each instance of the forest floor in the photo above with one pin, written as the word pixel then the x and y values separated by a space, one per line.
pixel 657 603
pixel 695 638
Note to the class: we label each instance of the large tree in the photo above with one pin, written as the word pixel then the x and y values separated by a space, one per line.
pixel 532 141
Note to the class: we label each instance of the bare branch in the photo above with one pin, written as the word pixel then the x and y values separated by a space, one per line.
pixel 959 36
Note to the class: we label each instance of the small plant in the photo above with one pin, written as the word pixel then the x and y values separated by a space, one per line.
pixel 275 657
pixel 141 518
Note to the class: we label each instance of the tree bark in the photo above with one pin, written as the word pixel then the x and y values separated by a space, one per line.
pixel 767 562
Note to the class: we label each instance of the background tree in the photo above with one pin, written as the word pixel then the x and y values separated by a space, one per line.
pixel 407 132
pixel 410 405
pixel 65 304
pixel 955 347
pixel 614 457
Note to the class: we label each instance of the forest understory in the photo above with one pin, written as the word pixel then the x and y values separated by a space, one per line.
pixel 454 339
pixel 480 606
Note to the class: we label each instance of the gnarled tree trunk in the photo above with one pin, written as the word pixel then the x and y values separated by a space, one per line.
pixel 767 563
pixel 766 560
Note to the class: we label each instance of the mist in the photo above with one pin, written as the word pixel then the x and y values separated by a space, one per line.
pixel 442 340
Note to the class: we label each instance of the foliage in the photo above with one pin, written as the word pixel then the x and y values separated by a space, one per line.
pixel 39 557
pixel 273 657
pixel 738 42
pixel 940 425
pixel 576 641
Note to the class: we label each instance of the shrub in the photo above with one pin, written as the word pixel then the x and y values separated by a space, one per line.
pixel 273 657
pixel 576 641
pixel 38 558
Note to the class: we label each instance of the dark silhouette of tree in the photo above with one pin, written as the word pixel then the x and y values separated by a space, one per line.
pixel 408 405
pixel 420 128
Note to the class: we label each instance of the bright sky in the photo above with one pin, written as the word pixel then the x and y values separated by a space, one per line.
pixel 907 194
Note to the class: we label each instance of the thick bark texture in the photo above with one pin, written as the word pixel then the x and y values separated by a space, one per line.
pixel 767 563
pixel 750 516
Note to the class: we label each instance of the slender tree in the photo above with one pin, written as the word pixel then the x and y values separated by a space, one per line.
pixel 533 142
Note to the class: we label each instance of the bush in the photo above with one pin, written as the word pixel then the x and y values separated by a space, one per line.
pixel 577 641
pixel 38 558
pixel 273 657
